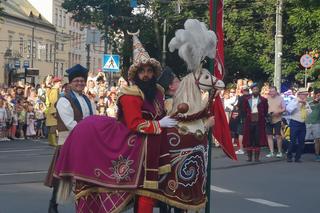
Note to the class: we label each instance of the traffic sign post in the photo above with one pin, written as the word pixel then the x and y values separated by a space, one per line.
pixel 306 61
pixel 111 63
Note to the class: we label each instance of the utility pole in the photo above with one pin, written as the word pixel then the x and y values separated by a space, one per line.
pixel 278 46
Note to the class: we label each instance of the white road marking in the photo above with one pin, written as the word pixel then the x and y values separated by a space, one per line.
pixel 20 150
pixel 23 173
pixel 222 190
pixel 267 202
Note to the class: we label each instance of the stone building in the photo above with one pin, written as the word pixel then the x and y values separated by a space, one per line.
pixel 27 43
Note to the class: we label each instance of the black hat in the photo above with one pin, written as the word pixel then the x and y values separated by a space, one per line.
pixel 254 85
pixel 77 71
pixel 166 77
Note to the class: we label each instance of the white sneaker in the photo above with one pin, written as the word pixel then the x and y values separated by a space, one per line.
pixel 279 155
pixel 240 152
pixel 270 155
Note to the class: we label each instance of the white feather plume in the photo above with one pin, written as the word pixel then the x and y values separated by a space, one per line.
pixel 194 43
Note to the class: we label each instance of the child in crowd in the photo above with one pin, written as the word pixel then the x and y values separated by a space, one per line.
pixel 21 119
pixel 30 121
pixel 101 106
pixel 3 121
pixel 14 123
pixel 112 106
pixel 285 134
pixel 40 117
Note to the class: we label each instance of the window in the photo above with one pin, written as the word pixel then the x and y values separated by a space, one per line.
pixel 21 46
pixel 39 47
pixel 64 19
pixel 47 51
pixel 79 41
pixel 62 46
pixel 56 17
pixel 60 18
pixel 10 42
pixel 61 69
pixel 51 51
pixel 56 68
pixel 29 49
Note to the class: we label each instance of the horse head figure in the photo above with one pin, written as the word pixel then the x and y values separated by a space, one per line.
pixel 194 43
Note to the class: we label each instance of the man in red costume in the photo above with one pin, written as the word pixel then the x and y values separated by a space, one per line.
pixel 141 108
pixel 256 109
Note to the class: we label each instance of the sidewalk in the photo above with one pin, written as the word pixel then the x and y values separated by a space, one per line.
pixel 221 161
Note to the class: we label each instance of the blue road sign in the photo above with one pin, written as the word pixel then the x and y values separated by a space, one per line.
pixel 111 63
pixel 17 64
pixel 26 64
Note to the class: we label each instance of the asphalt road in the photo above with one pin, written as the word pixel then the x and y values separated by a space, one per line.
pixel 273 185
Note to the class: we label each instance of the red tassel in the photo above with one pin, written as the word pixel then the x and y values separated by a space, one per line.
pixel 145 204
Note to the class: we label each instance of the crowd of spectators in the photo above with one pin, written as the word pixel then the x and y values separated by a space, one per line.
pixel 279 135
pixel 24 106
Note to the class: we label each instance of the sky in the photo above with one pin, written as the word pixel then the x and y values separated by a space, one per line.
pixel 44 7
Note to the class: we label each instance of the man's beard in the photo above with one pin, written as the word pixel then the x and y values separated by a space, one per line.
pixel 149 88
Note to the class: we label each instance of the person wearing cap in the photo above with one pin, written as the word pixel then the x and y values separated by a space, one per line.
pixel 51 120
pixel 256 108
pixel 170 83
pixel 245 93
pixel 71 107
pixel 298 110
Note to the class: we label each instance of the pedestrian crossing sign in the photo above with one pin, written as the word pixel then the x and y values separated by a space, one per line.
pixel 111 63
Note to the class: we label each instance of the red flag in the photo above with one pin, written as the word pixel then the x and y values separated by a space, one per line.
pixel 219 60
pixel 221 130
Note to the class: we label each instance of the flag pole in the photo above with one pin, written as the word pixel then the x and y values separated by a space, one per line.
pixel 213 25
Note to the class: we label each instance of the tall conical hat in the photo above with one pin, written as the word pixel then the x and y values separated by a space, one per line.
pixel 141 57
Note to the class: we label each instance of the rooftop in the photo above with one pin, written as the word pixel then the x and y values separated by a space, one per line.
pixel 22 9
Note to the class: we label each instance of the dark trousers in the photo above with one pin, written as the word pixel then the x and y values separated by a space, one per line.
pixel 254 135
pixel 297 136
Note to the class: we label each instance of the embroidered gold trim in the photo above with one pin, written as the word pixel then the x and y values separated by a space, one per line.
pixel 149 184
pixel 141 127
pixel 157 127
pixel 164 169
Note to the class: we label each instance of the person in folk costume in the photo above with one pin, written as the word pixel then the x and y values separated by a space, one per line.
pixel 256 109
pixel 72 106
pixel 141 108
pixel 135 145
pixel 51 120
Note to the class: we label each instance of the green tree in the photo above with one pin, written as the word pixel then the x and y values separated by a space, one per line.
pixel 115 17
pixel 249 33
pixel 249 37
pixel 111 17
pixel 301 36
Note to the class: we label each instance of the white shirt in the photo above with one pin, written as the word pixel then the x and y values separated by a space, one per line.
pixel 294 108
pixel 254 108
pixel 66 114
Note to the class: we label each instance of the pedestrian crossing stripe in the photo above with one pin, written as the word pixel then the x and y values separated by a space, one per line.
pixel 111 63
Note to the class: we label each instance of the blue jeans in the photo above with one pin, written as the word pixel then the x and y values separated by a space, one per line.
pixel 297 136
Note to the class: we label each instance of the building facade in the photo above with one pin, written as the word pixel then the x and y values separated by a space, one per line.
pixel 72 39
pixel 27 43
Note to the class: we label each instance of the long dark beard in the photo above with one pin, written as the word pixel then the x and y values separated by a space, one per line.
pixel 149 88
